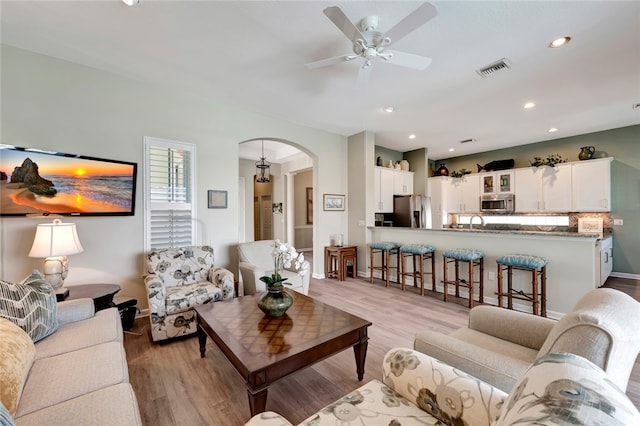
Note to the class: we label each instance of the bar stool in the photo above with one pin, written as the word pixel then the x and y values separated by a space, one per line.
pixel 386 249
pixel 538 268
pixel 473 258
pixel 419 253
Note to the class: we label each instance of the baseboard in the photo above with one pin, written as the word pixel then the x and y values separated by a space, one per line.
pixel 625 275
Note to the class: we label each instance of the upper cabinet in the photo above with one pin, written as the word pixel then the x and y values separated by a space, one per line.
pixel 543 189
pixel 402 182
pixel 497 182
pixel 383 187
pixel 463 195
pixel 389 182
pixel 592 185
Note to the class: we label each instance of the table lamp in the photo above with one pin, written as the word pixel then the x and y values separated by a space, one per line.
pixel 54 241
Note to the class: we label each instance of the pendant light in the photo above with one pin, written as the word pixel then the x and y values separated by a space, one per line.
pixel 262 168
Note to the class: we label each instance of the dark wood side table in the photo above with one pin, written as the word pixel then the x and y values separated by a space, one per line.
pixel 336 260
pixel 102 294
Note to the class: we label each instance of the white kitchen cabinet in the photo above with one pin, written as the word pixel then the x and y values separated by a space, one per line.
pixel 527 190
pixel 496 182
pixel 463 194
pixel 543 189
pixel 383 188
pixel 437 188
pixel 591 185
pixel 556 188
pixel 402 182
pixel 606 259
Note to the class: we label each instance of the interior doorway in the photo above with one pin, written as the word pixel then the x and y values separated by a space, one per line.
pixel 262 210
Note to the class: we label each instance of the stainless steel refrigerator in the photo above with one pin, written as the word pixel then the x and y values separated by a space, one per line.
pixel 408 211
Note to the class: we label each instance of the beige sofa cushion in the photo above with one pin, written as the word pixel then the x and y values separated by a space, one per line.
pixel 490 359
pixel 113 405
pixel 105 326
pixel 63 377
pixel 17 353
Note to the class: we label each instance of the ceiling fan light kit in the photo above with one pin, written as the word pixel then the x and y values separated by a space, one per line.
pixel 370 44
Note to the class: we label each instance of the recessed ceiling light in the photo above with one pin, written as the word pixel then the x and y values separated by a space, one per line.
pixel 412 136
pixel 553 129
pixel 529 105
pixel 559 42
pixel 388 109
pixel 451 149
pixel 132 2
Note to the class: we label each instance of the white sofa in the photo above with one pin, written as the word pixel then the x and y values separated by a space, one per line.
pixel 78 375
pixel 256 260
pixel 499 345
pixel 416 389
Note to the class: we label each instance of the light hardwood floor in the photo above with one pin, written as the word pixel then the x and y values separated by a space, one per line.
pixel 174 386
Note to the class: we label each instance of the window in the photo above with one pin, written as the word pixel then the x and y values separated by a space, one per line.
pixel 169 196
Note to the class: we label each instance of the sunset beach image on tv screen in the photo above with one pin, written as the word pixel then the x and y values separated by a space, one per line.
pixel 39 182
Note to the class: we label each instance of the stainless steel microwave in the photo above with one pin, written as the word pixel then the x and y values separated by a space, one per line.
pixel 498 203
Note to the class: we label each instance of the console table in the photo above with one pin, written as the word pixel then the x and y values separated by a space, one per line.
pixel 102 294
pixel 336 260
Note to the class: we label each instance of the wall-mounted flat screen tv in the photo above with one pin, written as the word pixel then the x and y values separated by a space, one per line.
pixel 34 181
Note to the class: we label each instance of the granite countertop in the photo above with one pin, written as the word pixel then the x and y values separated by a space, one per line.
pixel 558 233
pixel 525 232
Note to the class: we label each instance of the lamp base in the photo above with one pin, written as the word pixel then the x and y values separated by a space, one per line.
pixel 61 293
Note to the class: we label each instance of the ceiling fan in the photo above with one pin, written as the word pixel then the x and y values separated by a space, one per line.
pixel 370 44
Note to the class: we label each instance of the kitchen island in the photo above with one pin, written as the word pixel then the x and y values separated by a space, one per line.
pixel 573 269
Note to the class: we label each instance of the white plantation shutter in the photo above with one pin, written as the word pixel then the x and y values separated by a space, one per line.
pixel 169 195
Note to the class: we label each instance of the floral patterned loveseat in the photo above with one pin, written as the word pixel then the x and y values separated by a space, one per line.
pixel 177 280
pixel 557 389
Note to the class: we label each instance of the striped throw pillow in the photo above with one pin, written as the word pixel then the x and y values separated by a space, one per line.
pixel 31 305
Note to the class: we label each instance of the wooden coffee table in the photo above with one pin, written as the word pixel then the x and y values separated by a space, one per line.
pixel 265 349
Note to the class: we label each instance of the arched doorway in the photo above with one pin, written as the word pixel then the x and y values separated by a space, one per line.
pixel 278 209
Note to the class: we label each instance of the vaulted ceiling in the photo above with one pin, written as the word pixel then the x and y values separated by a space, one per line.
pixel 253 55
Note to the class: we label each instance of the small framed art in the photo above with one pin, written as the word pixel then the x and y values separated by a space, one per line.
pixel 217 199
pixel 333 202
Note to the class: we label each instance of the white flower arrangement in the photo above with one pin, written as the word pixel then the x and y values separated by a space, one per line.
pixel 284 256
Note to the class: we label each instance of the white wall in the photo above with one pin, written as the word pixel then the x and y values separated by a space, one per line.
pixel 56 105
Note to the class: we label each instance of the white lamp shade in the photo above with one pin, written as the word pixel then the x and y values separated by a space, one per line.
pixel 55 239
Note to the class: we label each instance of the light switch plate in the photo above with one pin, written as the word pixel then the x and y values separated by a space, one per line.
pixel 618 222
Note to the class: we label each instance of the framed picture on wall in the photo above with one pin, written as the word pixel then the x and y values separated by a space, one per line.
pixel 333 202
pixel 309 206
pixel 217 199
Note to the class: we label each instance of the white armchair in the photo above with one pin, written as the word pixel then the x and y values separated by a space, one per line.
pixel 256 260
pixel 179 279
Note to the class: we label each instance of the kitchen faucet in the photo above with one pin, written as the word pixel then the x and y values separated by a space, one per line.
pixel 473 217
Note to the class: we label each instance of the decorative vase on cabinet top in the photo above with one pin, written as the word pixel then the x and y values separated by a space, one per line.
pixel 442 170
pixel 586 152
pixel 404 165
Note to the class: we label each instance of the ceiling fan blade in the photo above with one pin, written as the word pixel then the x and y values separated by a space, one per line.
pixel 330 61
pixel 364 75
pixel 408 60
pixel 412 21
pixel 343 23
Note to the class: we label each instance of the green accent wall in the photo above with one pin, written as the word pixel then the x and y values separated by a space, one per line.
pixel 623 144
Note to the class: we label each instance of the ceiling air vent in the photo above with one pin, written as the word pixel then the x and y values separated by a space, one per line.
pixel 468 140
pixel 493 68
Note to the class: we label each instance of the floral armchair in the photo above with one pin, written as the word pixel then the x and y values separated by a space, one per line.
pixel 177 280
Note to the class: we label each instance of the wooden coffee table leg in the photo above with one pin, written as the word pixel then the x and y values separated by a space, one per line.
pixel 257 401
pixel 202 338
pixel 360 352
